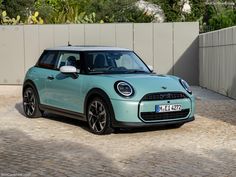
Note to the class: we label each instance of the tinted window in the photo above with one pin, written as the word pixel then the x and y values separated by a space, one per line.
pixel 114 62
pixel 48 60
pixel 127 60
pixel 69 59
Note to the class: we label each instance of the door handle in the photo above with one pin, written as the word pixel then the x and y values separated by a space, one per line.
pixel 50 77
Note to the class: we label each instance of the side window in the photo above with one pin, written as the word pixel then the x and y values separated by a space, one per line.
pixel 69 59
pixel 48 60
pixel 98 60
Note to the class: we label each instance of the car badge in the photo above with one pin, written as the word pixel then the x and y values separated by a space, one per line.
pixel 164 87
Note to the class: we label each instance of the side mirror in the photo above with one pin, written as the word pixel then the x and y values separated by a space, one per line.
pixel 150 67
pixel 68 70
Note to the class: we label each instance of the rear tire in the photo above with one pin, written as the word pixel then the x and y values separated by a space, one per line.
pixel 99 117
pixel 31 103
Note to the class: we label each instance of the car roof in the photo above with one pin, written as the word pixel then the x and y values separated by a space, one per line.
pixel 88 48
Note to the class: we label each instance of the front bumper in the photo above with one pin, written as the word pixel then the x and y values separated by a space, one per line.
pixel 128 113
pixel 118 124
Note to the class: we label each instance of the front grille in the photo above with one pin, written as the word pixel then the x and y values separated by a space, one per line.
pixel 164 96
pixel 153 116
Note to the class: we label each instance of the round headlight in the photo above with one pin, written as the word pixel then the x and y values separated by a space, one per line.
pixel 124 89
pixel 185 85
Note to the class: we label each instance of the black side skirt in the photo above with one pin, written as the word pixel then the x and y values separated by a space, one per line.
pixel 63 112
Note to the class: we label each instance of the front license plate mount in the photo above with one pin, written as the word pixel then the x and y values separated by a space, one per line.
pixel 168 108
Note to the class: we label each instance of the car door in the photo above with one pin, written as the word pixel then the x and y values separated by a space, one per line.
pixel 44 67
pixel 64 90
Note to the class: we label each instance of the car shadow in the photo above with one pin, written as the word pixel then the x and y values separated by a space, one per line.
pixel 66 120
pixel 19 108
pixel 142 129
pixel 84 125
pixel 54 117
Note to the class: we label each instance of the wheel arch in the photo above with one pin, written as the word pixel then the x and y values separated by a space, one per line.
pixel 30 83
pixel 97 92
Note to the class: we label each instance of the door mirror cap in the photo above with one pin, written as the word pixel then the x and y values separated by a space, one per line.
pixel 68 69
pixel 150 67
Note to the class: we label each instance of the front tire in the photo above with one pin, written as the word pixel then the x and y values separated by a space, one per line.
pixel 99 116
pixel 31 103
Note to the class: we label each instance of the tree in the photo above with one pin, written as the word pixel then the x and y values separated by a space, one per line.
pixel 173 9
pixel 219 15
pixel 61 11
pixel 117 11
pixel 1 6
pixel 211 16
pixel 45 8
pixel 198 8
pixel 223 19
pixel 18 7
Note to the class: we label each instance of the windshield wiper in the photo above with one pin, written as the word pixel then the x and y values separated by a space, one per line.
pixel 102 72
pixel 137 71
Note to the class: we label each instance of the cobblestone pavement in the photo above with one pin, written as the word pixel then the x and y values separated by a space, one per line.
pixel 58 146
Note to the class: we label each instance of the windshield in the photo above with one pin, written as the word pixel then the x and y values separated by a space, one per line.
pixel 114 62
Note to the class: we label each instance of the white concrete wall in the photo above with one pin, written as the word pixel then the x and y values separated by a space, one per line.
pixel 217 55
pixel 172 48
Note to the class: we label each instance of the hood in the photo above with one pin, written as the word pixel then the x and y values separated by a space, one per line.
pixel 149 83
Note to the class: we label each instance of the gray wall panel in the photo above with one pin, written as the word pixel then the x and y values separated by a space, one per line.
pixel 215 39
pixel 205 68
pixel 201 57
pixel 163 48
pixel 222 37
pixel 201 42
pixel 218 66
pixel 124 35
pixel 186 52
pixel 61 35
pixel 229 36
pixel 12 54
pixel 222 70
pixel 232 90
pixel 215 68
pixel 31 46
pixel 234 35
pixel 209 39
pixel 227 68
pixel 92 34
pixel 210 68
pixel 212 63
pixel 230 69
pixel 108 34
pixel 76 34
pixel 204 40
pixel 143 44
pixel 46 37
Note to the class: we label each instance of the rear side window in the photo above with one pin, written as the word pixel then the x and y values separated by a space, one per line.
pixel 48 60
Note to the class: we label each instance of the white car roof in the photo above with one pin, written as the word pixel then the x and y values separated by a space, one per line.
pixel 88 48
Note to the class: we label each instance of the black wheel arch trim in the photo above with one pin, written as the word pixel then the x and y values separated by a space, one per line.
pixel 105 97
pixel 31 84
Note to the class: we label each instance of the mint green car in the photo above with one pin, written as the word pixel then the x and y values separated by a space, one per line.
pixel 108 87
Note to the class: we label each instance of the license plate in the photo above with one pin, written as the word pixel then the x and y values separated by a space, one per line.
pixel 168 108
